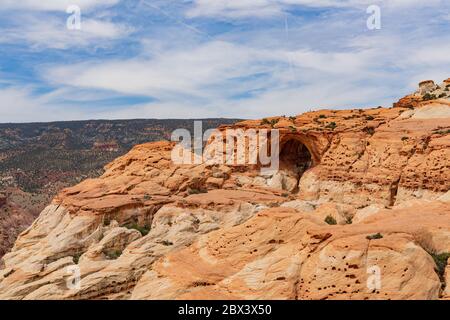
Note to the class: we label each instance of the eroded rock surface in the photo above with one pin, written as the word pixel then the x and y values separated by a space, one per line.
pixel 358 210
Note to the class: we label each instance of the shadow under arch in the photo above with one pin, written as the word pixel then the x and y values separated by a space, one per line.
pixel 295 156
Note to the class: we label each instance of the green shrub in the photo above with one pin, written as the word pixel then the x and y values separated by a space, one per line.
pixel 112 254
pixel 196 191
pixel 265 121
pixel 404 138
pixel 332 125
pixel 443 132
pixel 441 262
pixel 76 257
pixel 369 118
pixel 269 122
pixel 322 116
pixel 375 236
pixel 143 230
pixel 330 220
pixel 428 96
pixel 106 221
pixel 293 129
pixel 369 130
pixel 273 122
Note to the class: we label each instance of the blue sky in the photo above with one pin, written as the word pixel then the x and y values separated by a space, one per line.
pixel 214 58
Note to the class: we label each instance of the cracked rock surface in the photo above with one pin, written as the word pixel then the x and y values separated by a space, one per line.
pixel 360 209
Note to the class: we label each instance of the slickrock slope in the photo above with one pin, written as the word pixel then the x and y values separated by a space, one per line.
pixel 37 160
pixel 360 209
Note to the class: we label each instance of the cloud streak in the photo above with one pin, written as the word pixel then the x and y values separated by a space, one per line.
pixel 234 59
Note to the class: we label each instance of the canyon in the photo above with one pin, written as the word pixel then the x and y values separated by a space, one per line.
pixel 37 160
pixel 359 209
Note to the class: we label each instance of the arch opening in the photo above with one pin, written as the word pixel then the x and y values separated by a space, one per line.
pixel 295 158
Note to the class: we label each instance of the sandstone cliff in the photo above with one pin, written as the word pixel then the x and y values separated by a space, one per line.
pixel 360 209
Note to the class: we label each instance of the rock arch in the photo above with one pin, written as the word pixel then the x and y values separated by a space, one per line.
pixel 295 157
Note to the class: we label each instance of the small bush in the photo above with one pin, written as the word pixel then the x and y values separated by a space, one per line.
pixel 76 257
pixel 428 96
pixel 112 254
pixel 201 284
pixel 265 121
pixel 442 95
pixel 375 236
pixel 293 129
pixel 106 222
pixel 404 138
pixel 196 191
pixel 330 220
pixel 443 132
pixel 322 116
pixel 166 243
pixel 369 118
pixel 143 230
pixel 369 130
pixel 292 119
pixel 441 262
pixel 332 125
pixel 273 122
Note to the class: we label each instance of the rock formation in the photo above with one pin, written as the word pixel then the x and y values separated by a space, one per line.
pixel 359 209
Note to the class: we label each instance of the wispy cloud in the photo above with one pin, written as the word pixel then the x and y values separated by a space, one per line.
pixel 53 5
pixel 42 32
pixel 267 8
pixel 215 57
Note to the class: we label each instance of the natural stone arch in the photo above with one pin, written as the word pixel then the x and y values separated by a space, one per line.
pixel 295 156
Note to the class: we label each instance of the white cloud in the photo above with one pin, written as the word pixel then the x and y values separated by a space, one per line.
pixel 51 32
pixel 182 72
pixel 211 70
pixel 244 70
pixel 242 8
pixel 266 8
pixel 17 104
pixel 53 5
pixel 204 79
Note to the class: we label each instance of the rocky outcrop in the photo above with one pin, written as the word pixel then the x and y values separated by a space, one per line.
pixel 359 209
pixel 284 254
pixel 427 87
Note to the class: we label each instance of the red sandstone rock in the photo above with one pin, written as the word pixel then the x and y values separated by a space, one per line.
pixel 149 229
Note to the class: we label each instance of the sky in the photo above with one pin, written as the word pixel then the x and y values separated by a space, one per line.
pixel 213 58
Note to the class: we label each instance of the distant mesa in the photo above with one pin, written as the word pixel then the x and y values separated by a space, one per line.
pixel 108 146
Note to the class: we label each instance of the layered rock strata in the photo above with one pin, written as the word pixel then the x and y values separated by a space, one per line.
pixel 360 209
